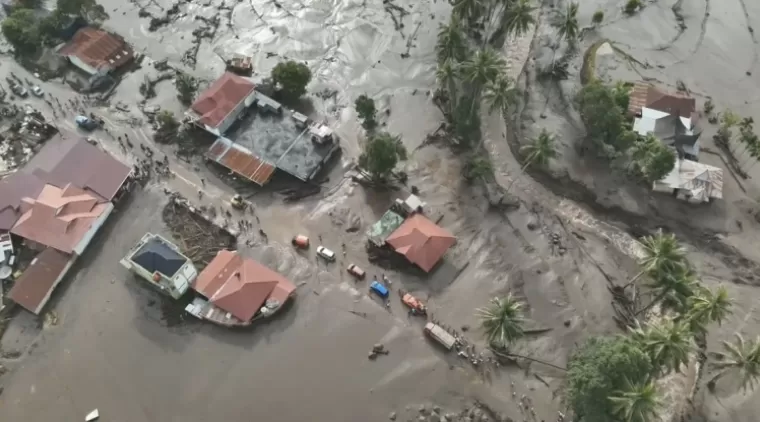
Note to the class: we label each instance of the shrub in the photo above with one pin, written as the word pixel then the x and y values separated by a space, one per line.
pixel 632 6
pixel 598 17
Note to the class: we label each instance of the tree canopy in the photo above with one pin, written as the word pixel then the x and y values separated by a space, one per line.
pixel 502 320
pixel 88 9
pixel 602 116
pixel 167 127
pixel 365 108
pixel 654 159
pixel 381 154
pixel 292 78
pixel 187 86
pixel 601 366
pixel 21 29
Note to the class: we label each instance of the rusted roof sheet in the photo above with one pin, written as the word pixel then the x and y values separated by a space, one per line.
pixel 241 161
pixel 644 94
pixel 421 241
pixel 638 97
pixel 240 285
pixel 33 289
pixel 221 98
pixel 98 48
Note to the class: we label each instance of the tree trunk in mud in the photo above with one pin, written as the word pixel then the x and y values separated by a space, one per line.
pixel 655 300
pixel 522 171
pixel 633 280
pixel 511 355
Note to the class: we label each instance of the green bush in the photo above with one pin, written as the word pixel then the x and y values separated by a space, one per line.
pixel 598 17
pixel 632 6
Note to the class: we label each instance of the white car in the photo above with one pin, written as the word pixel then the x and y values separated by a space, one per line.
pixel 325 253
pixel 37 91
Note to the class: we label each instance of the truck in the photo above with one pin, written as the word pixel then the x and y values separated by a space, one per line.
pixel 443 337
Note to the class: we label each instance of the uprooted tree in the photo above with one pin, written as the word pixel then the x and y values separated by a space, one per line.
pixel 381 154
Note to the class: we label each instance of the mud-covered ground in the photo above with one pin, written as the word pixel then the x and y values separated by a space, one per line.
pixel 117 346
pixel 715 55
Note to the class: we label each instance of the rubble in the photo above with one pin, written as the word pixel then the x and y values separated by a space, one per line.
pixel 197 237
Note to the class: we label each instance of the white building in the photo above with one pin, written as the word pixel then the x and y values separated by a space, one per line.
pixel 693 182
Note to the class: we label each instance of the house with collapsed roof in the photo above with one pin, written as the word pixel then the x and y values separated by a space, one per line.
pixel 55 205
pixel 256 135
pixel 235 290
pixel 692 182
pixel 421 241
pixel 97 52
pixel 669 117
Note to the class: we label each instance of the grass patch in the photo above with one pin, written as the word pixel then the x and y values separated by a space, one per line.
pixel 588 69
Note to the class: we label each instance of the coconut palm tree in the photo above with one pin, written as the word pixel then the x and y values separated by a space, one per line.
pixel 661 251
pixel 673 287
pixel 447 75
pixel 502 320
pixel 708 306
pixel 483 67
pixel 566 23
pixel 741 358
pixel 636 403
pixel 468 10
pixel 517 17
pixel 451 41
pixel 667 343
pixel 541 150
pixel 500 94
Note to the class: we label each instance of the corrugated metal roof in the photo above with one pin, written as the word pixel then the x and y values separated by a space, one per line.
pixel 378 232
pixel 220 99
pixel 421 241
pixel 32 290
pixel 241 161
pixel 98 48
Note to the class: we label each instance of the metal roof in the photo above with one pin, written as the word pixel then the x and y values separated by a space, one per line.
pixel 156 256
pixel 387 224
pixel 241 161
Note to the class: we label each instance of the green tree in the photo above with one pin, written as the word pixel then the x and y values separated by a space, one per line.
pixel 468 10
pixel 632 6
pixel 502 321
pixel 654 159
pixel 598 17
pixel 540 151
pixel 672 287
pixel 601 366
pixel 31 4
pixel 447 75
pixel 604 121
pixel 167 127
pixel 500 94
pixel 88 9
pixel 661 252
pixel 451 44
pixel 292 78
pixel 566 23
pixel 484 67
pixel 707 306
pixel 365 108
pixel 186 86
pixel 668 343
pixel 381 154
pixel 621 92
pixel 21 29
pixel 740 358
pixel 52 25
pixel 728 119
pixel 636 402
pixel 517 17
pixel 477 168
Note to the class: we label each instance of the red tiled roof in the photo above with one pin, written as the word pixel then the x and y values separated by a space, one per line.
pixel 98 48
pixel 421 241
pixel 32 290
pixel 59 218
pixel 241 161
pixel 240 285
pixel 218 101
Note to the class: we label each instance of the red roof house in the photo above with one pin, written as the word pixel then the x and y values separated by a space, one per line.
pixel 92 50
pixel 33 289
pixel 421 241
pixel 240 285
pixel 219 105
pixel 647 95
pixel 63 219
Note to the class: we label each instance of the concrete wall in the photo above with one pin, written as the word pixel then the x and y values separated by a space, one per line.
pixel 82 65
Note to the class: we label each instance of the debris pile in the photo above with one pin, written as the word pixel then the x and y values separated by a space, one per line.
pixel 198 238
pixel 475 412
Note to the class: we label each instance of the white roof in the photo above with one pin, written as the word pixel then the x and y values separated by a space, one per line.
pixel 646 123
pixel 320 130
pixel 414 202
pixel 702 181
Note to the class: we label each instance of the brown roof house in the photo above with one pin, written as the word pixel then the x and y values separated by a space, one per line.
pixel 421 241
pixel 96 51
pixel 60 222
pixel 217 108
pixel 646 95
pixel 238 290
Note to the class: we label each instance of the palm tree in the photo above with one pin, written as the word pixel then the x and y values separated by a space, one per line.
pixel 708 306
pixel 672 286
pixel 469 10
pixel 500 94
pixel 741 358
pixel 483 67
pixel 636 403
pixel 447 74
pixel 661 251
pixel 667 343
pixel 567 23
pixel 541 150
pixel 517 17
pixel 451 43
pixel 502 320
